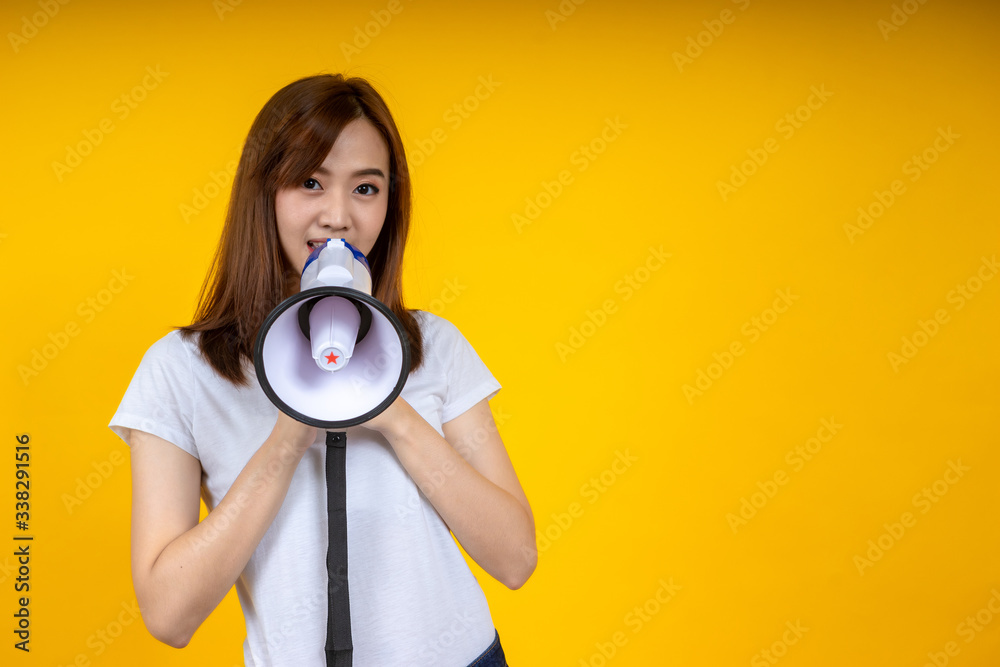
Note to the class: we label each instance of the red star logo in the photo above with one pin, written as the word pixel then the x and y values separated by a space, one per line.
pixel 331 358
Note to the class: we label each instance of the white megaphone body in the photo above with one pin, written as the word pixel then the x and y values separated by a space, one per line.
pixel 332 356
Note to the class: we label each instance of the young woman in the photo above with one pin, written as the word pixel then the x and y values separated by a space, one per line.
pixel 323 159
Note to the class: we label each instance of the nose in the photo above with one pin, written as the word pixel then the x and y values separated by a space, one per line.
pixel 335 214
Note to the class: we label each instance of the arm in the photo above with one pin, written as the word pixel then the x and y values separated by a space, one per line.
pixel 468 477
pixel 181 569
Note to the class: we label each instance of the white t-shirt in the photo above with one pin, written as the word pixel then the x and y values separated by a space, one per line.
pixel 413 599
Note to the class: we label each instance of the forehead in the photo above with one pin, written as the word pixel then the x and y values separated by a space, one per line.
pixel 359 146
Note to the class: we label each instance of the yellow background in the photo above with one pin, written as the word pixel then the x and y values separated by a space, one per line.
pixel 519 293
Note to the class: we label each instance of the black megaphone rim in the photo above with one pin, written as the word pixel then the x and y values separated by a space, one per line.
pixel 354 296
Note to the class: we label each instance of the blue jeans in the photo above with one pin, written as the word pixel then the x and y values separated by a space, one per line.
pixel 492 656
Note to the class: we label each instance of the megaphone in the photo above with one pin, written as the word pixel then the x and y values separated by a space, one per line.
pixel 332 356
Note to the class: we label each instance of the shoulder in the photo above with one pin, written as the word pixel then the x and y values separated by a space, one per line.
pixel 443 342
pixel 174 348
pixel 178 356
pixel 161 399
pixel 446 350
pixel 434 327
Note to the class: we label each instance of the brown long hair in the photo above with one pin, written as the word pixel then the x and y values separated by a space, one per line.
pixel 288 141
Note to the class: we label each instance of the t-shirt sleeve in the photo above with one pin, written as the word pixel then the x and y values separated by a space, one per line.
pixel 160 398
pixel 469 380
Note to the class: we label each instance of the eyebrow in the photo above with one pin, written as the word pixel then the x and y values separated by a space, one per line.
pixel 370 171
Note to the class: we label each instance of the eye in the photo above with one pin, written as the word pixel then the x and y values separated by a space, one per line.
pixel 366 189
pixel 310 184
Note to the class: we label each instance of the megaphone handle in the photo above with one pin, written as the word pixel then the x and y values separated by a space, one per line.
pixel 339 646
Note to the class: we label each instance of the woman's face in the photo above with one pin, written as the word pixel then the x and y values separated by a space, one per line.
pixel 347 197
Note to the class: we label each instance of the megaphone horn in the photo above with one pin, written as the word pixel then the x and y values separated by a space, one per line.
pixel 332 356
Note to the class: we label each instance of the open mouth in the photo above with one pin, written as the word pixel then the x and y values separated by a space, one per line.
pixel 316 243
